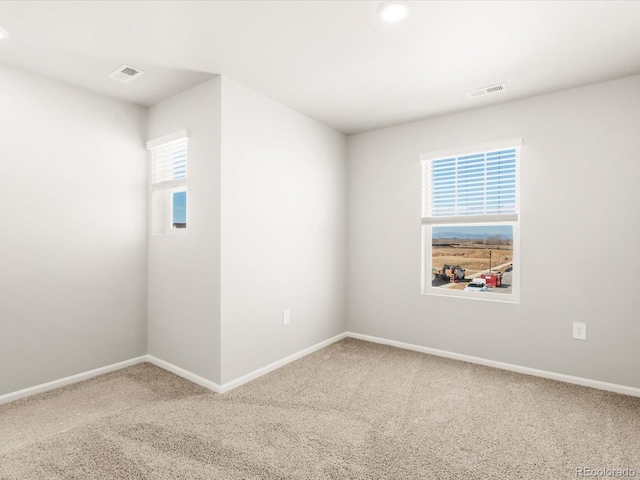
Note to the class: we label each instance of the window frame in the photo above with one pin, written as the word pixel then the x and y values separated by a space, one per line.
pixel 161 193
pixel 428 222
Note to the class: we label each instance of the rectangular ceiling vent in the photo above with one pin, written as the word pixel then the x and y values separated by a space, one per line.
pixel 487 90
pixel 125 74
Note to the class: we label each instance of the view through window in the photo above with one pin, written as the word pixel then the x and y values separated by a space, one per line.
pixel 179 209
pixel 472 257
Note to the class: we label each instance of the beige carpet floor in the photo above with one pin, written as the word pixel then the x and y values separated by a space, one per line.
pixel 354 410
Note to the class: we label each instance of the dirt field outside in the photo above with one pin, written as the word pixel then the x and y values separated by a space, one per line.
pixel 473 258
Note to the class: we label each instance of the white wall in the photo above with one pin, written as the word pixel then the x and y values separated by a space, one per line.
pixel 579 235
pixel 73 230
pixel 283 230
pixel 184 267
pixel 267 231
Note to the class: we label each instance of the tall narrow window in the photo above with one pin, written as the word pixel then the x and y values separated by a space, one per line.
pixel 169 183
pixel 470 208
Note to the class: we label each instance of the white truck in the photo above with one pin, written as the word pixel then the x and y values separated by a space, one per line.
pixel 477 285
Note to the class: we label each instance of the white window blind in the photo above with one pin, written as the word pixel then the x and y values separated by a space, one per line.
pixel 169 164
pixel 477 184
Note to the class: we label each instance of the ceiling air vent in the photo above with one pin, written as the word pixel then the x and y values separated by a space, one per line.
pixel 486 90
pixel 125 74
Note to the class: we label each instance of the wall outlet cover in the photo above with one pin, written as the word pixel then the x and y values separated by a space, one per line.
pixel 579 331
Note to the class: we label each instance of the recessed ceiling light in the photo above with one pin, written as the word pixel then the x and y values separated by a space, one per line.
pixel 3 33
pixel 393 11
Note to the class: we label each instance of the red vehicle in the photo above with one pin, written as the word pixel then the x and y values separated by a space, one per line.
pixel 492 279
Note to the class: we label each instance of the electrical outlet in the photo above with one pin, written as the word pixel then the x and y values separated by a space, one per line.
pixel 286 317
pixel 579 331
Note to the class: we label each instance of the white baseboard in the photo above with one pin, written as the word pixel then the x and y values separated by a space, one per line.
pixel 561 377
pixel 43 387
pixel 225 387
pixel 181 372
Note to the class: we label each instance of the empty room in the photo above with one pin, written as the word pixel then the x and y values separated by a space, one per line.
pixel 316 239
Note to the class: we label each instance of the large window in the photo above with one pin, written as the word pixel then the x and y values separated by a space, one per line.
pixel 169 183
pixel 470 208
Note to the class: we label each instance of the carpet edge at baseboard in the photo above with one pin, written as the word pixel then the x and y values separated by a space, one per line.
pixel 61 382
pixel 561 377
pixel 230 385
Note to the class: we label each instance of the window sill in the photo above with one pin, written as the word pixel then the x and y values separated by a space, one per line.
pixel 176 231
pixel 484 296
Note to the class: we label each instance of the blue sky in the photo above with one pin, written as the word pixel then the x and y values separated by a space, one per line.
pixel 180 207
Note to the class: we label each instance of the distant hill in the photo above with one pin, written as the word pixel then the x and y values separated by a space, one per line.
pixel 467 236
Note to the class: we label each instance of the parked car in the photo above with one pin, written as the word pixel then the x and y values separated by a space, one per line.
pixel 476 286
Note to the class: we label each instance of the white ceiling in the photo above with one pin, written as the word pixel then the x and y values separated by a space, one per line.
pixel 334 61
